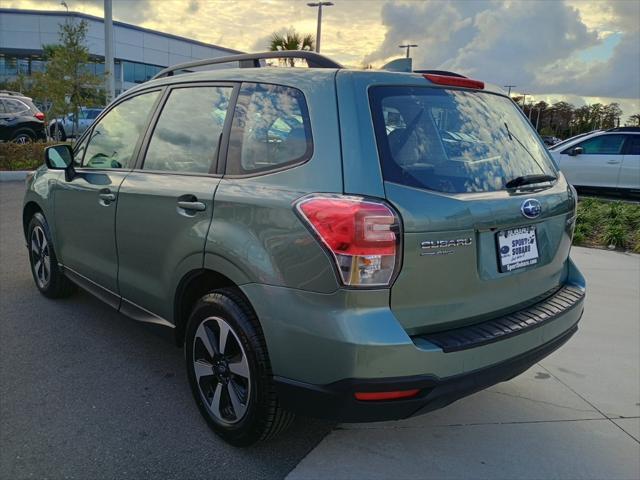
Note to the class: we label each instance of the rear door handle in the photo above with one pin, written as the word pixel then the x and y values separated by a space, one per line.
pixel 193 206
pixel 613 162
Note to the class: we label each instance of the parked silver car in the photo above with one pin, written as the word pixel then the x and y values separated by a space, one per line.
pixel 61 128
pixel 608 159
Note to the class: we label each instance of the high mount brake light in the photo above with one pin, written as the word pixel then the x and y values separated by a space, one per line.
pixel 454 81
pixel 362 235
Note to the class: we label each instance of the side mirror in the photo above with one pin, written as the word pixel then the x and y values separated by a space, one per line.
pixel 60 157
pixel 576 151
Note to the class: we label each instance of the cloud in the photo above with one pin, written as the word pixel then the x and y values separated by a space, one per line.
pixel 534 45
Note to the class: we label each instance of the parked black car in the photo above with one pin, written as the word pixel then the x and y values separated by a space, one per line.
pixel 20 120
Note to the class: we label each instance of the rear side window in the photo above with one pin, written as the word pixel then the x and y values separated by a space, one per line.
pixel 633 145
pixel 187 135
pixel 270 130
pixel 454 141
pixel 15 106
pixel 602 145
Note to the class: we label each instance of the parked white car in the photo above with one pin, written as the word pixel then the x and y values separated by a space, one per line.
pixel 608 159
pixel 66 128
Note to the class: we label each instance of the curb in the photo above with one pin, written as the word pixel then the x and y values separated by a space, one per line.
pixel 13 176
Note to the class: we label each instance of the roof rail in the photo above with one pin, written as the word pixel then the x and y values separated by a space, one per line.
pixel 252 60
pixel 440 72
pixel 624 129
pixel 12 93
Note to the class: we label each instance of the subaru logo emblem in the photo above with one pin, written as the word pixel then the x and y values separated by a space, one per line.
pixel 531 208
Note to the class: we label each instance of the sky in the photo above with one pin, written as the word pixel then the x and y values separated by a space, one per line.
pixel 575 50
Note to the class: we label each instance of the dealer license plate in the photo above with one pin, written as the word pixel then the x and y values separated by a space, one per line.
pixel 517 248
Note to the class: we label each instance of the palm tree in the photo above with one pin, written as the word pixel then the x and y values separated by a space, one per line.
pixel 290 40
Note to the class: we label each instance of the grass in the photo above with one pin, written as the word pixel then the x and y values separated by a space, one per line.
pixel 608 224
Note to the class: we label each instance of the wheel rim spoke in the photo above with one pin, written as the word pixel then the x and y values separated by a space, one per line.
pixel 215 401
pixel 238 407
pixel 240 368
pixel 203 369
pixel 224 333
pixel 208 342
pixel 35 248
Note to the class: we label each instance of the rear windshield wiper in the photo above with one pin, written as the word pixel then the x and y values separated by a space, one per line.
pixel 528 180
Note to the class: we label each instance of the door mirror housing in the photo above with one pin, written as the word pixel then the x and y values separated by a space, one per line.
pixel 576 151
pixel 60 157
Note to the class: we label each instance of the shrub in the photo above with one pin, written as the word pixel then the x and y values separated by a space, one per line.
pixel 603 223
pixel 27 156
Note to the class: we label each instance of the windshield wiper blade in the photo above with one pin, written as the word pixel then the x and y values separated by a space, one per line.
pixel 528 180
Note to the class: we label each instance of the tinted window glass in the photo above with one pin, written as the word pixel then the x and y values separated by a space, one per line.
pixel 453 140
pixel 15 106
pixel 114 138
pixel 633 145
pixel 602 145
pixel 270 130
pixel 187 134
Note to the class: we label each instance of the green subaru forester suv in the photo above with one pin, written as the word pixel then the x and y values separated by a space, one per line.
pixel 344 244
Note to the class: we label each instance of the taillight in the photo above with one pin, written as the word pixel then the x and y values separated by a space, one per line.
pixel 454 81
pixel 39 116
pixel 362 235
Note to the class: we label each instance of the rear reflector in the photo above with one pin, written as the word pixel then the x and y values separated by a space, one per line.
pixel 454 81
pixel 395 395
pixel 39 116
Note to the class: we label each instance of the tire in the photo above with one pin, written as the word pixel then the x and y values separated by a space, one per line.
pixel 58 135
pixel 237 398
pixel 23 136
pixel 43 261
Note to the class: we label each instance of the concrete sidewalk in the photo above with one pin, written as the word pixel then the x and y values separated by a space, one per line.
pixel 574 415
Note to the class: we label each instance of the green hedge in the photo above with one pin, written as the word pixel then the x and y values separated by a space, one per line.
pixel 22 157
pixel 608 224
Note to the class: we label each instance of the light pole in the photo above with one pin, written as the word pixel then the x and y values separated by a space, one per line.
pixel 64 4
pixel 108 51
pixel 408 46
pixel 319 28
pixel 509 87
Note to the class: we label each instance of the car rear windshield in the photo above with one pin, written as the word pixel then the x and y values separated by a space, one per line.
pixel 454 141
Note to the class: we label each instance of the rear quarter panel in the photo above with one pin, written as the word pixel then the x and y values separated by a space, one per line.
pixel 255 235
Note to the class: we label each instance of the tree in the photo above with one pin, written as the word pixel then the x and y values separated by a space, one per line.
pixel 633 120
pixel 291 40
pixel 66 84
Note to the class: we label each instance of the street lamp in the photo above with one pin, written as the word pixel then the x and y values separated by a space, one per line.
pixel 319 5
pixel 408 47
pixel 64 4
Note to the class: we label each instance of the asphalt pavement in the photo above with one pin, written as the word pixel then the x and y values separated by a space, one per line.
pixel 88 393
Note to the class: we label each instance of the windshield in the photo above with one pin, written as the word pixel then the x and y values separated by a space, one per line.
pixel 454 141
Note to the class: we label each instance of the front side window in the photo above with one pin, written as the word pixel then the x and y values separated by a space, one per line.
pixel 602 145
pixel 113 140
pixel 271 130
pixel 187 135
pixel 454 141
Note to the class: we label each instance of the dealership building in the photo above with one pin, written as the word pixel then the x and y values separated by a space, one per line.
pixel 139 53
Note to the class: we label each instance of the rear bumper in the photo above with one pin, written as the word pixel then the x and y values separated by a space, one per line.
pixel 336 401
pixel 325 347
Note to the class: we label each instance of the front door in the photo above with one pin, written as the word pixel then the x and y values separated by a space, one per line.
pixel 85 206
pixel 166 204
pixel 599 163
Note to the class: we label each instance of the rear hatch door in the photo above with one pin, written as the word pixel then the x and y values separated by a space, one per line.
pixel 475 244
